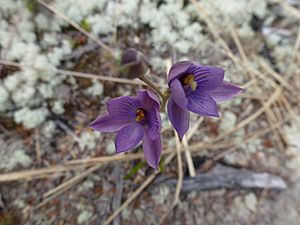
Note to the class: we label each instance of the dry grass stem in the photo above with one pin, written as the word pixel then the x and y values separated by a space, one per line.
pixel 76 74
pixel 76 26
pixel 37 145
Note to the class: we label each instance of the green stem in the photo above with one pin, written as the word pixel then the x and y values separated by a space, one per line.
pixel 165 98
pixel 151 85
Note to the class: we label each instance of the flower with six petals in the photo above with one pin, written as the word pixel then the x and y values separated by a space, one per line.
pixel 135 119
pixel 196 88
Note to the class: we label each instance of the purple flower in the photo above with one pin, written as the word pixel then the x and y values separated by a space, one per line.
pixel 135 119
pixel 196 88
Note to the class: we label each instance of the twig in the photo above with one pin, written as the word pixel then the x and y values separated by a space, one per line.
pixel 228 177
pixel 290 9
pixel 297 46
pixel 37 145
pixel 188 157
pixel 75 25
pixel 68 184
pixel 180 171
pixel 74 73
pixel 274 74
pixel 55 192
pixel 118 194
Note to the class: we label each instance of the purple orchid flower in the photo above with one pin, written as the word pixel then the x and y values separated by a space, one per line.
pixel 135 119
pixel 196 88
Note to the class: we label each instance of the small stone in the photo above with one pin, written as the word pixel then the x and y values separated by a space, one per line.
pixel 139 214
pixel 228 121
pixel 251 201
pixel 84 217
pixel 126 214
pixel 110 148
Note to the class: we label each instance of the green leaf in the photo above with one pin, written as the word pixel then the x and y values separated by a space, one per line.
pixel 135 169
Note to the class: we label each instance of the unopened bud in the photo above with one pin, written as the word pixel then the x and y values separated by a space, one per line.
pixel 133 63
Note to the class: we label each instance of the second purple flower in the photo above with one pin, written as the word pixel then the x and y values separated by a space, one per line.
pixel 135 119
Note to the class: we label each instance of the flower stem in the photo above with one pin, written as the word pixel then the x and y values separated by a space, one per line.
pixel 165 98
pixel 151 85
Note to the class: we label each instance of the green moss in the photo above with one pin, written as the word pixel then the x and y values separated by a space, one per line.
pixel 32 6
pixel 85 25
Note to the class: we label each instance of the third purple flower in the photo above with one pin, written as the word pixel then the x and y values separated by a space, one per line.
pixel 196 88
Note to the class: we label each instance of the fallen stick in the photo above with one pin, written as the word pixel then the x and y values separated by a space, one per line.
pixel 227 177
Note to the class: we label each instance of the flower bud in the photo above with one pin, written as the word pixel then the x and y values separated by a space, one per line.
pixel 133 63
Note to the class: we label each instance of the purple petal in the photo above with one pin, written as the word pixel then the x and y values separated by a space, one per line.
pixel 154 124
pixel 128 137
pixel 107 123
pixel 207 77
pixel 152 150
pixel 203 104
pixel 148 99
pixel 225 91
pixel 178 93
pixel 178 117
pixel 178 69
pixel 123 107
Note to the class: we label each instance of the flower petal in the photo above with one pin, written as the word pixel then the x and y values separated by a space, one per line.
pixel 225 91
pixel 207 77
pixel 128 137
pixel 178 69
pixel 152 150
pixel 178 117
pixel 123 107
pixel 203 104
pixel 154 124
pixel 178 93
pixel 148 99
pixel 107 123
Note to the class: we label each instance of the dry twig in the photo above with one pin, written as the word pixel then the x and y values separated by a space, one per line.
pixel 75 25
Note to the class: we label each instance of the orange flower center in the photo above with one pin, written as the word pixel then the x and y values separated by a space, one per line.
pixel 190 81
pixel 140 115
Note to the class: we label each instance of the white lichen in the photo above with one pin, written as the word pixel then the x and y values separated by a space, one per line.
pixel 17 158
pixel 30 118
pixel 88 140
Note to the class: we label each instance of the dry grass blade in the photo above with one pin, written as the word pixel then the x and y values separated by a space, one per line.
pixel 297 46
pixel 75 74
pixel 75 25
pixel 249 119
pixel 53 193
pixel 188 158
pixel 71 182
pixel 180 170
pixel 187 152
pixel 274 74
pixel 37 145
pixel 290 9
pixel 37 173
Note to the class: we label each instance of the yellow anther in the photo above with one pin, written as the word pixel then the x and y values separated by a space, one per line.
pixel 140 115
pixel 190 80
